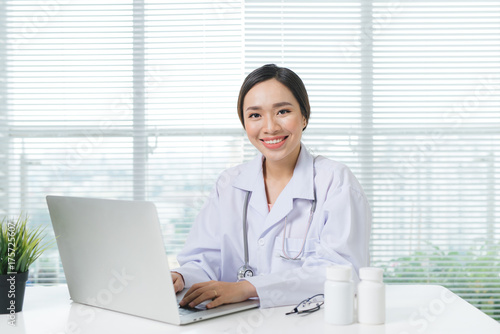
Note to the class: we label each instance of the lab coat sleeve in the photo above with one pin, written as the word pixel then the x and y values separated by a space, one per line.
pixel 200 259
pixel 343 240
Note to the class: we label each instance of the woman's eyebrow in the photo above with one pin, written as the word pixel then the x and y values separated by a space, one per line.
pixel 274 106
pixel 281 104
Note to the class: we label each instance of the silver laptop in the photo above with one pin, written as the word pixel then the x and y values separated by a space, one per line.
pixel 113 257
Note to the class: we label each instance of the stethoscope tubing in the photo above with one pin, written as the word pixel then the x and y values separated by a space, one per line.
pixel 285 255
pixel 246 268
pixel 245 228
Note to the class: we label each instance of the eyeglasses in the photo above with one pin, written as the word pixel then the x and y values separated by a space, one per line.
pixel 309 305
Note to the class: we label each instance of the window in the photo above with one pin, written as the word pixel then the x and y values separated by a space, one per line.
pixel 137 100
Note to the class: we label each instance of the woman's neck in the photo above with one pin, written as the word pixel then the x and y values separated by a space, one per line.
pixel 277 174
pixel 281 170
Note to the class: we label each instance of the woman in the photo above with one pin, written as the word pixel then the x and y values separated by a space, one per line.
pixel 303 213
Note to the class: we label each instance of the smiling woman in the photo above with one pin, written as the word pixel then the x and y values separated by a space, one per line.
pixel 300 213
pixel 274 120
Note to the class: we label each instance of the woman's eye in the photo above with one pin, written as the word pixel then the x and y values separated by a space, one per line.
pixel 253 115
pixel 282 112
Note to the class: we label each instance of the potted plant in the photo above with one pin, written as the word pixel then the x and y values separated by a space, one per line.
pixel 20 246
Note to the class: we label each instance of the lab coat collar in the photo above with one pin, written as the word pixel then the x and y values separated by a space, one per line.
pixel 251 179
pixel 301 185
pixel 302 182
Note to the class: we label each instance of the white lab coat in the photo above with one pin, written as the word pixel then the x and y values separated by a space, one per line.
pixel 339 232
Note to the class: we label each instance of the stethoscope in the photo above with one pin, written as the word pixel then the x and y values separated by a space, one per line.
pixel 245 270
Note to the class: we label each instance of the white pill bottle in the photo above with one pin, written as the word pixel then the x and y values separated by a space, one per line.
pixel 371 296
pixel 339 295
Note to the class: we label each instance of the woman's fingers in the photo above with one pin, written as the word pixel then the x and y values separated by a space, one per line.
pixel 234 293
pixel 219 292
pixel 203 296
pixel 192 296
pixel 178 281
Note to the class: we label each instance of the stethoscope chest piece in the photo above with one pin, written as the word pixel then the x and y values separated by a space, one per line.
pixel 244 272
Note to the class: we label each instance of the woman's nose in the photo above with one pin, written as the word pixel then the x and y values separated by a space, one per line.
pixel 272 125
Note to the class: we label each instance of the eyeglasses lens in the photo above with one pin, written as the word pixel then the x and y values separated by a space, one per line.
pixel 310 305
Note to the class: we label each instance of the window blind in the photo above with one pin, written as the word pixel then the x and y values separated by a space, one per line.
pixel 436 145
pixel 137 100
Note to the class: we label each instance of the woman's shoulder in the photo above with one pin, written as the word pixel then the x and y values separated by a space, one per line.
pixel 324 164
pixel 332 171
pixel 229 175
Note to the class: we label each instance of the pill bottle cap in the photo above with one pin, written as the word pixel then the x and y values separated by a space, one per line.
pixel 371 274
pixel 339 273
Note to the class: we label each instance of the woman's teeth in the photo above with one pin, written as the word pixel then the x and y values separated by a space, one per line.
pixel 275 141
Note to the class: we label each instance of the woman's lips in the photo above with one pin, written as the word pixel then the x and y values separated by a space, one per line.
pixel 274 142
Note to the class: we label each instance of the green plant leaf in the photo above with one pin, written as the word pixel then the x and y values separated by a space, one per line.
pixel 27 244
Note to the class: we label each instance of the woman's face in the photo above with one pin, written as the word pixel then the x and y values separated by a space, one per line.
pixel 273 121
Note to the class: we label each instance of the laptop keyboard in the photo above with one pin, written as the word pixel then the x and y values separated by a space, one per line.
pixel 185 311
pixel 198 308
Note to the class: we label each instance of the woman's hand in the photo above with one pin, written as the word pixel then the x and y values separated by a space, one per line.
pixel 219 292
pixel 178 281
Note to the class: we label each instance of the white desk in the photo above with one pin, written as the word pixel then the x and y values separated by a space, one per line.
pixel 410 309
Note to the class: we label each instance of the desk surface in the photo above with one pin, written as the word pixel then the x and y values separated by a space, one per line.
pixel 410 309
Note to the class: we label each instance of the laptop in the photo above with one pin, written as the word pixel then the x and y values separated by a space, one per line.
pixel 113 257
